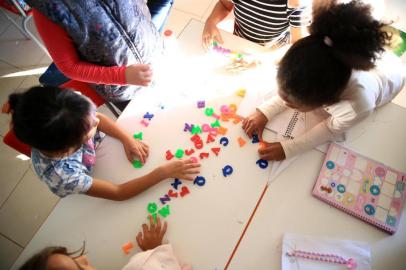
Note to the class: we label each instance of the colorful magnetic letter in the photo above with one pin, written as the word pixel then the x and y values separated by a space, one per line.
pixel 165 199
pixel 227 170
pixel 164 211
pixel 145 123
pixel 148 116
pixel 203 155
pixel 138 136
pixel 176 183
pixel 201 104
pixel 209 139
pixel 184 191
pixel 255 138
pixel 241 141
pixel 188 127
pixel 172 194
pixel 196 129
pixel 137 164
pixel 215 124
pixel 224 141
pixel 215 150
pixel 209 111
pixel 200 181
pixel 179 153
pixel 152 207
pixel 189 152
pixel 169 155
pixel 262 163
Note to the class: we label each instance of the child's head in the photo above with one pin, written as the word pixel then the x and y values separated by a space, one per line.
pixel 317 68
pixel 52 258
pixel 51 119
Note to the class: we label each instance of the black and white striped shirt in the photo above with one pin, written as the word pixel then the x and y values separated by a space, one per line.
pixel 267 22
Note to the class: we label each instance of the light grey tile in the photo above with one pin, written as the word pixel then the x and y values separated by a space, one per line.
pixel 6 68
pixel 19 51
pixel 196 8
pixel 12 170
pixel 9 252
pixel 4 23
pixel 178 20
pixel 26 209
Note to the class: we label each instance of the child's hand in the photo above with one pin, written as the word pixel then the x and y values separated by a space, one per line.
pixel 211 33
pixel 139 74
pixel 245 63
pixel 152 236
pixel 272 151
pixel 135 149
pixel 182 169
pixel 254 124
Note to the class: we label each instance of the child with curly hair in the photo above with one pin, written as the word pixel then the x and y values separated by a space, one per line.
pixel 332 70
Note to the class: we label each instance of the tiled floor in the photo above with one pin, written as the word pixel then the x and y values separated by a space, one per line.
pixel 24 201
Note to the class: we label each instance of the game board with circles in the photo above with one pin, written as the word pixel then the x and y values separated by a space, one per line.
pixel 362 187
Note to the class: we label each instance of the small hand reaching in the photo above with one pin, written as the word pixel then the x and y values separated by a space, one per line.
pixel 138 74
pixel 254 124
pixel 151 237
pixel 135 149
pixel 181 169
pixel 210 33
pixel 272 151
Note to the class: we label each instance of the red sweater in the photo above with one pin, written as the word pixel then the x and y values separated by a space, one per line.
pixel 65 56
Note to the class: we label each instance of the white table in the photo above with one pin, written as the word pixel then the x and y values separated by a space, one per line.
pixel 205 225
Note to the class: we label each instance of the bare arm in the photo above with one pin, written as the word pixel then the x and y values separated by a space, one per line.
pixel 210 32
pixel 134 149
pixel 182 169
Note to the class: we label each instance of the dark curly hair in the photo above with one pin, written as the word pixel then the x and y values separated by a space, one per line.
pixel 39 261
pixel 316 69
pixel 49 118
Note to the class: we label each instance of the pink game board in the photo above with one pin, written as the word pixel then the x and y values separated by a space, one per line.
pixel 362 187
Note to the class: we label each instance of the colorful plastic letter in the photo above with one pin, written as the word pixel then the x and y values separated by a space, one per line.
pixel 200 181
pixel 127 247
pixel 145 123
pixel 152 207
pixel 216 150
pixel 189 152
pixel 148 116
pixel 184 191
pixel 196 129
pixel 201 104
pixel 203 155
pixel 137 164
pixel 138 136
pixel 164 211
pixel 176 183
pixel 179 153
pixel 224 141
pixel 165 199
pixel 209 139
pixel 227 170
pixel 172 194
pixel 255 138
pixel 263 164
pixel 241 141
pixel 188 127
pixel 169 155
pixel 209 111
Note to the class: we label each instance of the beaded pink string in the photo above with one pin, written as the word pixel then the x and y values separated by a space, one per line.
pixel 324 257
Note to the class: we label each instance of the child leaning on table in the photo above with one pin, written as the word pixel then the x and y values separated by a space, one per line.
pixel 333 71
pixel 154 255
pixel 62 127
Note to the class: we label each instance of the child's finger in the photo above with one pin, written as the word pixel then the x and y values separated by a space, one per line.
pixel 164 229
pixel 192 165
pixel 139 239
pixel 144 229
pixel 158 225
pixel 187 177
pixel 192 171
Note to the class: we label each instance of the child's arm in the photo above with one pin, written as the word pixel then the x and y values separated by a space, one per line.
pixel 133 147
pixel 181 169
pixel 218 14
pixel 63 52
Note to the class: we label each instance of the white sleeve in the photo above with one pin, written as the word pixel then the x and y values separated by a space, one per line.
pixel 317 135
pixel 272 107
